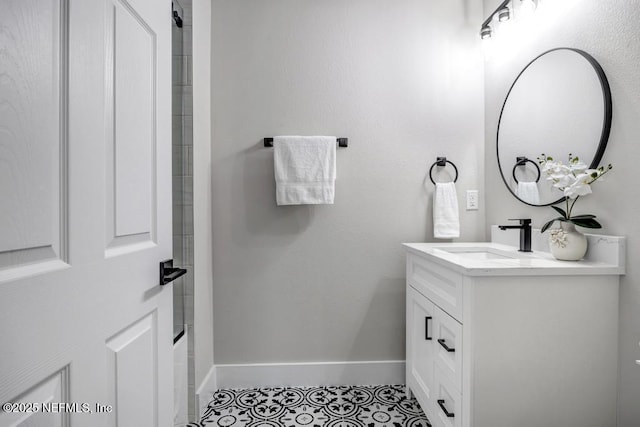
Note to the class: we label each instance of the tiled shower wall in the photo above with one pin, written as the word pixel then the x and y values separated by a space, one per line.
pixel 183 178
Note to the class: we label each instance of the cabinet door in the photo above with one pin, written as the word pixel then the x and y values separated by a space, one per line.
pixel 420 348
pixel 447 334
pixel 448 401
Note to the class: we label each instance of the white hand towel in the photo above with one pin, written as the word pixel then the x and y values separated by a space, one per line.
pixel 528 192
pixel 446 224
pixel 305 169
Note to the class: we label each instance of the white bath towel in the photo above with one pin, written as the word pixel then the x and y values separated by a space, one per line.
pixel 305 169
pixel 446 224
pixel 528 192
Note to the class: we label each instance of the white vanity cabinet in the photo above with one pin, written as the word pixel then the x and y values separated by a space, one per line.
pixel 512 343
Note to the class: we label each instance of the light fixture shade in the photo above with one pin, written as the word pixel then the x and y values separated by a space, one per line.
pixel 504 14
pixel 485 32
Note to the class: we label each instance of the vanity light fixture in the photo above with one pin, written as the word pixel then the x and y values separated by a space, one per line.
pixel 504 12
pixel 485 30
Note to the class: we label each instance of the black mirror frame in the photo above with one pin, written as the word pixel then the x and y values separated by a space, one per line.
pixel 606 124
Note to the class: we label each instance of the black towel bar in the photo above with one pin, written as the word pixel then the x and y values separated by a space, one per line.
pixel 522 161
pixel 442 161
pixel 342 142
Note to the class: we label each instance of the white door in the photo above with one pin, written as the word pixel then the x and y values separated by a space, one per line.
pixel 85 212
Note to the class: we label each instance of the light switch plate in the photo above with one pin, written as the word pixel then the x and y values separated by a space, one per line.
pixel 472 200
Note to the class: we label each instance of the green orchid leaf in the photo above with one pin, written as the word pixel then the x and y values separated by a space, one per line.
pixel 560 211
pixel 550 223
pixel 584 216
pixel 586 222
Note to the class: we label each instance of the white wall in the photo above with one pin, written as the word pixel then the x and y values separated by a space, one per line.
pixel 610 32
pixel 401 80
pixel 203 288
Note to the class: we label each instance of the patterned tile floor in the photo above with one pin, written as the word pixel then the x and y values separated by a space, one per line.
pixel 340 406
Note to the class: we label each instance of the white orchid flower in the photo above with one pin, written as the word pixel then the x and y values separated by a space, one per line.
pixel 555 168
pixel 547 165
pixel 580 187
pixel 562 180
pixel 574 180
pixel 578 166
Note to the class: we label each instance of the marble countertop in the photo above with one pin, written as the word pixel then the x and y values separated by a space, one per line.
pixel 496 259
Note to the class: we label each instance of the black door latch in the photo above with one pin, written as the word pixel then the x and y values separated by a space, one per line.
pixel 169 273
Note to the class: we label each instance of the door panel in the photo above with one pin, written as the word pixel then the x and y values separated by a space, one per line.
pixel 48 395
pixel 131 361
pixel 32 138
pixel 131 128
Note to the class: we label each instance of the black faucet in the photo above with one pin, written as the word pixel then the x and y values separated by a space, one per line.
pixel 525 233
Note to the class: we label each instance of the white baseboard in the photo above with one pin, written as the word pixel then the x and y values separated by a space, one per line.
pixel 310 374
pixel 205 390
pixel 298 375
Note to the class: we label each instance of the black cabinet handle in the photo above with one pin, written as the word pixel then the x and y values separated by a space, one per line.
pixel 426 328
pixel 445 346
pixel 444 409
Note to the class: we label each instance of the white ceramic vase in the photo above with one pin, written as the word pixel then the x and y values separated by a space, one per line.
pixel 566 243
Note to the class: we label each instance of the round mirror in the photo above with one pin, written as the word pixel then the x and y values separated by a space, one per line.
pixel 559 104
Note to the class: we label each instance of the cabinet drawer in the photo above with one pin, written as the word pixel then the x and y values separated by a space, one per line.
pixel 447 401
pixel 447 335
pixel 439 284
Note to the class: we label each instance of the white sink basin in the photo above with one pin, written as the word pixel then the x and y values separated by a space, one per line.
pixel 480 253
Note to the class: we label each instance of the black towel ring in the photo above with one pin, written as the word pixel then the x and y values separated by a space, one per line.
pixel 521 161
pixel 442 161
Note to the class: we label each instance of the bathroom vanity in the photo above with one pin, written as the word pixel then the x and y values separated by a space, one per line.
pixel 502 338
